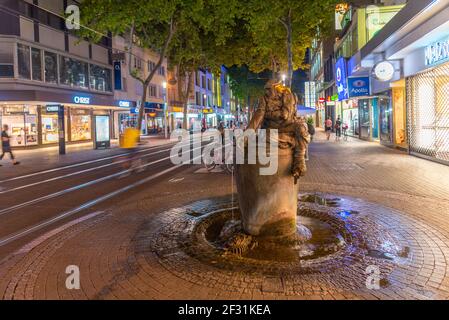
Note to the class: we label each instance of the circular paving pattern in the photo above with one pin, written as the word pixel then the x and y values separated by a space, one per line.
pixel 376 239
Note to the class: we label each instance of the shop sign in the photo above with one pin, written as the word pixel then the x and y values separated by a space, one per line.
pixel 437 52
pixel 124 104
pixel 117 75
pixel 177 109
pixel 341 79
pixel 384 71
pixel 358 86
pixel 54 108
pixel 81 100
pixel 208 110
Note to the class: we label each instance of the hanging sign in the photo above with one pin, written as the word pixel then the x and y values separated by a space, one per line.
pixel 358 87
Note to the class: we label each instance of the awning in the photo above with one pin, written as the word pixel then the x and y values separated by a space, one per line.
pixel 304 111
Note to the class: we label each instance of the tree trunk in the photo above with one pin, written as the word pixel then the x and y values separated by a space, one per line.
pixel 289 50
pixel 142 108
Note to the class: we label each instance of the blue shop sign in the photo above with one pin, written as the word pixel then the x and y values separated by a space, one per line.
pixel 117 75
pixel 359 87
pixel 341 78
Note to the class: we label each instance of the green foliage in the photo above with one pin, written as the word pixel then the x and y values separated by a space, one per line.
pixel 266 33
pixel 246 84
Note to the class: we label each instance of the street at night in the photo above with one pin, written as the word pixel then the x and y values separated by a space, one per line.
pixel 216 151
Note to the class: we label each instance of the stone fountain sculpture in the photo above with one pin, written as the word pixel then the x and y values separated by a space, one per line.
pixel 269 203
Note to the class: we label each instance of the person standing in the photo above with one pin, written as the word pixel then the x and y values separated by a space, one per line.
pixel 338 129
pixel 6 145
pixel 328 127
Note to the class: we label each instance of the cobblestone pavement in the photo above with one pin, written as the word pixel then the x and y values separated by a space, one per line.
pixel 403 195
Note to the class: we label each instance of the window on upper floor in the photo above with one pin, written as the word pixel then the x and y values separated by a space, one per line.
pixel 151 66
pixel 23 57
pixel 51 67
pixel 152 91
pixel 137 63
pixel 198 79
pixel 162 71
pixel 7 60
pixel 100 78
pixel 73 72
pixel 36 64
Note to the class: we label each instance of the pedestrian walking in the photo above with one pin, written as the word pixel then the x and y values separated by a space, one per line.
pixel 6 145
pixel 338 129
pixel 328 127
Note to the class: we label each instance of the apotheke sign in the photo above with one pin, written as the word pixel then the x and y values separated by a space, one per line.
pixel 437 52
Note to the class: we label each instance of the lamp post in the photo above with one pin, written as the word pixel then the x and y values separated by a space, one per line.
pixel 164 85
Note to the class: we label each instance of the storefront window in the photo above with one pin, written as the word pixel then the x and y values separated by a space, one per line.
pixel 428 111
pixel 364 117
pixel 100 78
pixel 351 117
pixel 81 129
pixel 400 136
pixel 36 64
pixel 22 123
pixel 51 67
pixel 23 56
pixel 49 128
pixel 73 72
pixel 386 119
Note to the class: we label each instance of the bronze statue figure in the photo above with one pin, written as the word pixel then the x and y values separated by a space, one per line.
pixel 269 203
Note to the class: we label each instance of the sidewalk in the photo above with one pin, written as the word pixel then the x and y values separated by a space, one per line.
pixel 410 197
pixel 34 160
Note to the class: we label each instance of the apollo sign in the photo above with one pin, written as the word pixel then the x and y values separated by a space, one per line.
pixel 437 52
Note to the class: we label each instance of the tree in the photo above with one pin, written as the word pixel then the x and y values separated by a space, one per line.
pixel 292 22
pixel 186 31
pixel 246 85
pixel 150 24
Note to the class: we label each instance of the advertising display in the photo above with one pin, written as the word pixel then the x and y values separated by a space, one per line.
pixel 102 133
pixel 359 87
pixel 341 75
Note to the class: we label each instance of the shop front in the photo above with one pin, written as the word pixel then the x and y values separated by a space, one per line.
pixel 210 118
pixel 399 115
pixel 36 123
pixel 22 121
pixel 350 116
pixel 194 118
pixel 428 113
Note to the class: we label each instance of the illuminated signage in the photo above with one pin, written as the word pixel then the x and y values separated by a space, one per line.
pixel 81 100
pixel 52 108
pixel 358 86
pixel 341 77
pixel 124 104
pixel 437 52
pixel 310 94
pixel 384 71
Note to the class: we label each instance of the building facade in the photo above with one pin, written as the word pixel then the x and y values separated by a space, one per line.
pixel 44 68
pixel 128 90
pixel 364 113
pixel 409 60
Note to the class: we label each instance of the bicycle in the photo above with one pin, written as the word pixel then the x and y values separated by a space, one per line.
pixel 217 160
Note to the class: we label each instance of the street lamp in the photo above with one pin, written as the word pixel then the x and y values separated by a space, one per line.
pixel 284 77
pixel 164 85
